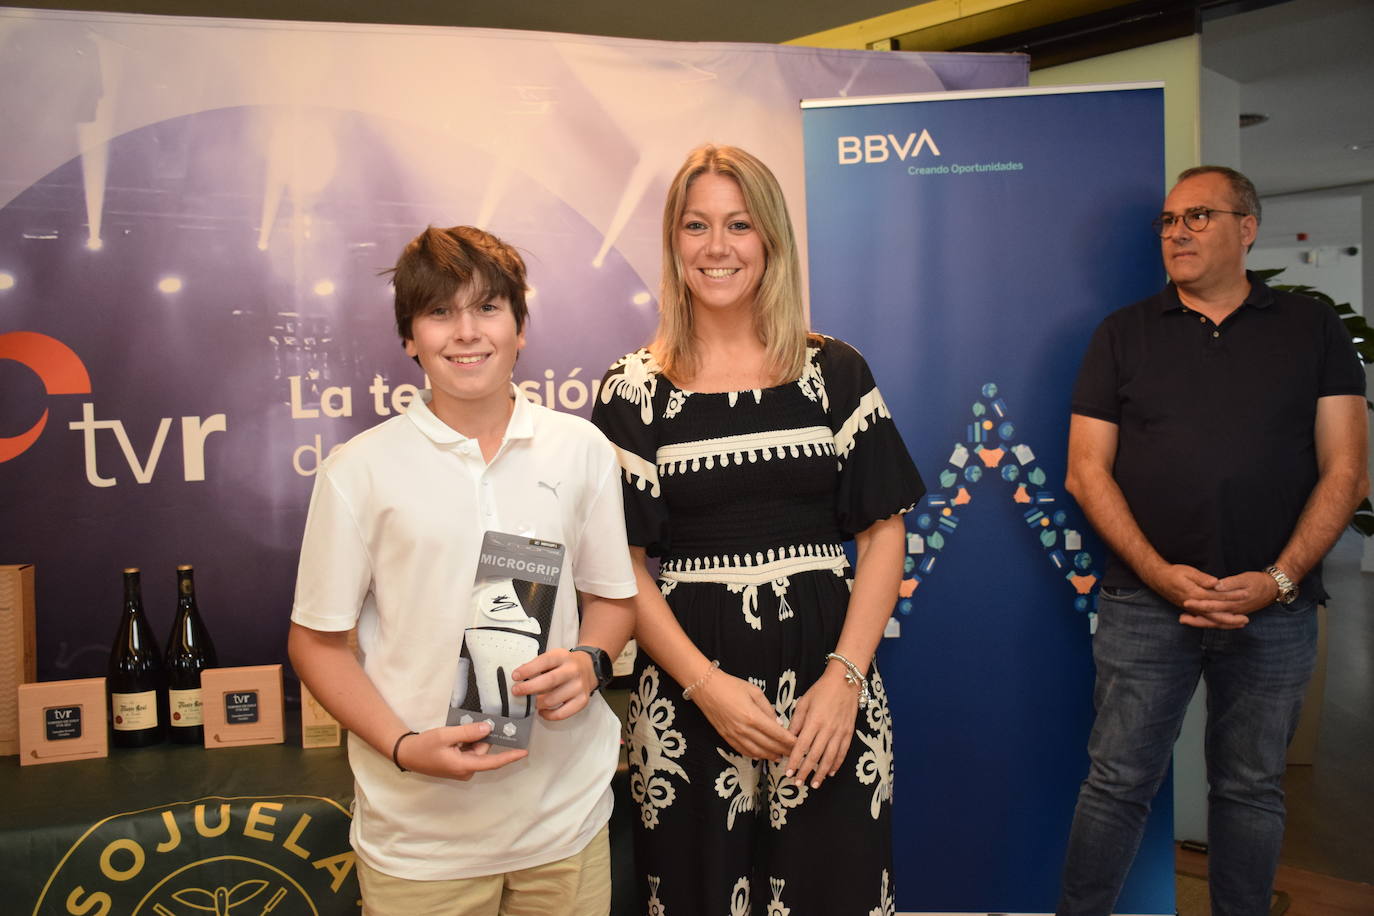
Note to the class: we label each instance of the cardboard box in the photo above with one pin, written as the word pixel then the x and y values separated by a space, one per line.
pixel 63 720
pixel 18 648
pixel 243 705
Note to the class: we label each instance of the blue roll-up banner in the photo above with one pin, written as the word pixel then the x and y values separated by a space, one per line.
pixel 968 243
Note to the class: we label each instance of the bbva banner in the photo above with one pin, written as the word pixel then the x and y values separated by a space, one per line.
pixel 193 217
pixel 968 244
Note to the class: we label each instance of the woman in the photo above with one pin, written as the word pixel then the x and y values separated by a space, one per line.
pixel 751 450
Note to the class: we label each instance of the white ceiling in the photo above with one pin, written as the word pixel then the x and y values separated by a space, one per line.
pixel 1309 66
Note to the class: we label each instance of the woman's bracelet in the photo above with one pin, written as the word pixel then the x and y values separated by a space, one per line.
pixel 853 678
pixel 396 749
pixel 701 681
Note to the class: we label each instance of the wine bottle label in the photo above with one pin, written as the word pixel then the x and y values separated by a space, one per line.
pixel 134 711
pixel 241 708
pixel 186 710
pixel 62 722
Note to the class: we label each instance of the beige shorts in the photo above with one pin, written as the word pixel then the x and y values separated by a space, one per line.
pixel 579 885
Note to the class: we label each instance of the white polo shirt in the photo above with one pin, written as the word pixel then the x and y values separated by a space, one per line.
pixel 391 544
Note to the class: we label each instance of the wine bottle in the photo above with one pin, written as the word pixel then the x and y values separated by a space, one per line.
pixel 135 680
pixel 189 652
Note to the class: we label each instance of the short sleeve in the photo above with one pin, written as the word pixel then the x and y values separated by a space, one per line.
pixel 335 572
pixel 602 564
pixel 624 412
pixel 877 476
pixel 1095 390
pixel 1342 371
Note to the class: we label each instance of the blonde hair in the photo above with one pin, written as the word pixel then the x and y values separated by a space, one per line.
pixel 779 319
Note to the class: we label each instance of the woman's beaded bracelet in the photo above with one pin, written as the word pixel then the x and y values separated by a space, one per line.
pixel 853 678
pixel 701 681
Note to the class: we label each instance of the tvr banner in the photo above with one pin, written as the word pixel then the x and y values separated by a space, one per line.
pixel 194 215
pixel 968 244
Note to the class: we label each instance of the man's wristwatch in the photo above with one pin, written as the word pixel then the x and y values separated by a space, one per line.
pixel 1288 592
pixel 601 664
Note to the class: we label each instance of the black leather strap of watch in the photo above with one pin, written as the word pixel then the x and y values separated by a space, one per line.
pixel 601 664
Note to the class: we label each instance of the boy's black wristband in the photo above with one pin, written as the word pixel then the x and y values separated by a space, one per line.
pixel 396 748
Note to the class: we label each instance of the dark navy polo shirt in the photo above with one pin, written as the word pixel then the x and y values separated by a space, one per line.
pixel 1216 454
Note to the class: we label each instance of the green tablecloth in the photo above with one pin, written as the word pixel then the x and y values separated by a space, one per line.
pixel 172 830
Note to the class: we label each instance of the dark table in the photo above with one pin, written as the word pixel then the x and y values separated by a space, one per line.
pixel 175 830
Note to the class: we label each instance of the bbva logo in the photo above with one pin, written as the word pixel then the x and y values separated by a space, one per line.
pixel 882 147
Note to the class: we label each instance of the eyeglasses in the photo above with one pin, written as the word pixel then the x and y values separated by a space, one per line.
pixel 1196 220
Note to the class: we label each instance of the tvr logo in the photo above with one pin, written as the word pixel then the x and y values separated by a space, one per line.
pixel 882 147
pixel 62 372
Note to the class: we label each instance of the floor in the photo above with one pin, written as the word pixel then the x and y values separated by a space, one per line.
pixel 1297 892
pixel 1331 803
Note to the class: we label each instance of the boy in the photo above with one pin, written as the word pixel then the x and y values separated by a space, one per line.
pixel 443 823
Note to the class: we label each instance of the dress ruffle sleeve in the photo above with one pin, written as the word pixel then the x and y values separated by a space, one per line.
pixel 624 412
pixel 877 476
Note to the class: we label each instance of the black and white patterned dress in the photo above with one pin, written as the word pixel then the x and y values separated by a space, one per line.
pixel 747 497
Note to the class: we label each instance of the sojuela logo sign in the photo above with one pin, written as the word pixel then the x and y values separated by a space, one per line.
pixel 285 855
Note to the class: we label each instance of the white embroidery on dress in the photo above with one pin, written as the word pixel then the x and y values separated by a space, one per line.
pixel 888 901
pixel 654 747
pixel 666 586
pixel 875 764
pixel 783 792
pixel 639 471
pixel 775 906
pixel 785 611
pixel 870 406
pixel 749 603
pixel 756 568
pixel 656 907
pixel 636 384
pixel 676 399
pixel 739 898
pixel 738 783
pixel 812 382
pixel 750 447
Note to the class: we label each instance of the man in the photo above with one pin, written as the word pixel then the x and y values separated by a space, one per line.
pixel 444 825
pixel 1218 445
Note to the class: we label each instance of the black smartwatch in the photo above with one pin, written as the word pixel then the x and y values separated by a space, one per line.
pixel 601 664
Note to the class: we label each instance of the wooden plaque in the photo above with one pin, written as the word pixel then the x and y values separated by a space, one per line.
pixel 242 705
pixel 63 720
pixel 18 661
pixel 318 727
